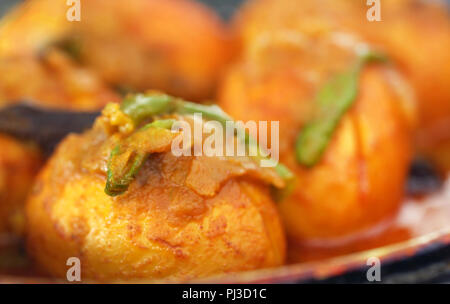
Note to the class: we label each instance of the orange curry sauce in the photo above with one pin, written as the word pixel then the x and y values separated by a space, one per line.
pixel 417 217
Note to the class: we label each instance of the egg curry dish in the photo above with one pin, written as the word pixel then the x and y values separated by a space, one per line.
pixel 292 134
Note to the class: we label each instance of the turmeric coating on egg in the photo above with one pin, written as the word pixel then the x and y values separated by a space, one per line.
pixel 178 46
pixel 414 34
pixel 358 181
pixel 181 217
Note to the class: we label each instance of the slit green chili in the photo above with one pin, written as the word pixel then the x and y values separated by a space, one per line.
pixel 125 161
pixel 123 164
pixel 332 101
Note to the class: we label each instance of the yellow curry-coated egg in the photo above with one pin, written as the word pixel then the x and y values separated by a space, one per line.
pixel 178 220
pixel 178 46
pixel 290 50
pixel 359 180
pixel 414 34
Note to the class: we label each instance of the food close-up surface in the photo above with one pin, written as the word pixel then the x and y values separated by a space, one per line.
pixel 177 220
pixel 244 141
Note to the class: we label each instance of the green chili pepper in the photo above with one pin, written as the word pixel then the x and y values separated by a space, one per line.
pixel 333 101
pixel 140 106
pixel 214 112
pixel 124 164
pixel 125 161
pixel 162 123
pixel 211 112
pixel 121 173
